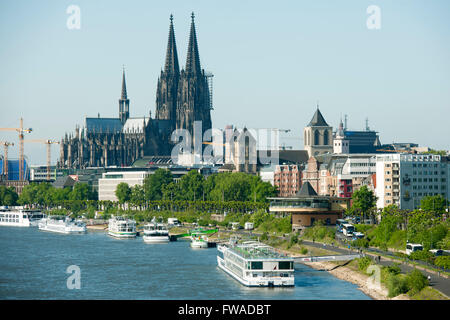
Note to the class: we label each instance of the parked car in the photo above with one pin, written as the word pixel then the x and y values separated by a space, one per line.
pixel 437 252
pixel 357 235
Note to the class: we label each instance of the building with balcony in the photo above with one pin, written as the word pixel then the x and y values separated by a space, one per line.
pixel 288 179
pixel 404 179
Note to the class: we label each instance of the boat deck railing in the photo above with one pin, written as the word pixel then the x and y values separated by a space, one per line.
pixel 257 250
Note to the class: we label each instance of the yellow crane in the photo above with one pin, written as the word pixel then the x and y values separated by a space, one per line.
pixel 48 143
pixel 21 131
pixel 5 145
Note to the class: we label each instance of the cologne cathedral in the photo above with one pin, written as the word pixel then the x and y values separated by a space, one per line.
pixel 182 97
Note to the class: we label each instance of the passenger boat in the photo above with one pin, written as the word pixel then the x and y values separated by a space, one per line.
pixel 19 217
pixel 64 225
pixel 120 227
pixel 255 264
pixel 155 232
pixel 199 241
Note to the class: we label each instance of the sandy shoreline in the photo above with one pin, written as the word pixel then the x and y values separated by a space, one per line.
pixel 362 281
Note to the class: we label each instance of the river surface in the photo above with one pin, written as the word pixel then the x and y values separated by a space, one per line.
pixel 33 265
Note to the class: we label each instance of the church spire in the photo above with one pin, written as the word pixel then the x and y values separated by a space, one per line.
pixel 171 66
pixel 124 102
pixel 193 58
pixel 124 86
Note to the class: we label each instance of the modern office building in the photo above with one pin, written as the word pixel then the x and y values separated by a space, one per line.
pixel 107 185
pixel 404 179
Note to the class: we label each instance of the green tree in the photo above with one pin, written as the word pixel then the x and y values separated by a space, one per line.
pixel 364 200
pixel 391 220
pixel 123 192
pixel 416 281
pixel 436 204
pixel 137 196
pixel 81 191
pixel 437 152
pixel 191 186
pixel 423 227
pixel 171 192
pixel 153 184
pixel 60 194
pixel 8 196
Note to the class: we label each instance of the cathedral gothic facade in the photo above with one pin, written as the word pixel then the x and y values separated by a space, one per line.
pixel 182 97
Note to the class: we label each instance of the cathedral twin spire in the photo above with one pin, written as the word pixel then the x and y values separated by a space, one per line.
pixel 171 67
pixel 193 57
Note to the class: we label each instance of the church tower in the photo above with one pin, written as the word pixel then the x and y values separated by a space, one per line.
pixel 317 136
pixel 166 92
pixel 124 102
pixel 340 143
pixel 193 99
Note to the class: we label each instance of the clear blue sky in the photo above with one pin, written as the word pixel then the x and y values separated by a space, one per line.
pixel 272 61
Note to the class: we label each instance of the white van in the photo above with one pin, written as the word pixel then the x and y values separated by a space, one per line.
pixel 413 247
pixel 235 225
pixel 173 222
pixel 248 226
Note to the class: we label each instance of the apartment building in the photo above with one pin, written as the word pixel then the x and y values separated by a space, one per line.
pixel 404 179
pixel 288 179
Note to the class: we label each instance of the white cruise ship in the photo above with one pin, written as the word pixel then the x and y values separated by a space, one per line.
pixel 255 264
pixel 155 232
pixel 62 225
pixel 19 217
pixel 120 227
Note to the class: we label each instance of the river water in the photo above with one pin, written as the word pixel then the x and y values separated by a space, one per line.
pixel 33 265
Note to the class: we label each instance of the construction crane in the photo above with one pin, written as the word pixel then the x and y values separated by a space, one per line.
pixel 21 131
pixel 47 142
pixel 5 145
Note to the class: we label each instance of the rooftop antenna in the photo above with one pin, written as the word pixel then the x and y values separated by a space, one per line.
pixel 345 122
pixel 367 124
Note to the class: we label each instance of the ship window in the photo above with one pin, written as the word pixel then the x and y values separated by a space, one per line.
pixel 284 265
pixel 257 265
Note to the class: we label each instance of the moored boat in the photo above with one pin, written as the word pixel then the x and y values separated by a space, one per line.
pixel 255 264
pixel 122 228
pixel 64 225
pixel 19 217
pixel 156 232
pixel 199 241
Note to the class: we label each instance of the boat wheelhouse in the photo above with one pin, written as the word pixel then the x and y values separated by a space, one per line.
pixel 64 225
pixel 156 232
pixel 255 264
pixel 120 227
pixel 20 217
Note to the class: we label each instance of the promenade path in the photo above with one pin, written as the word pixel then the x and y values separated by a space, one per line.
pixel 437 282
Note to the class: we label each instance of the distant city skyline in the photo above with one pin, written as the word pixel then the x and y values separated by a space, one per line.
pixel 272 64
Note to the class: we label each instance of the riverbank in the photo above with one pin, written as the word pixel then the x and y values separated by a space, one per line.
pixel 362 281
pixel 349 275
